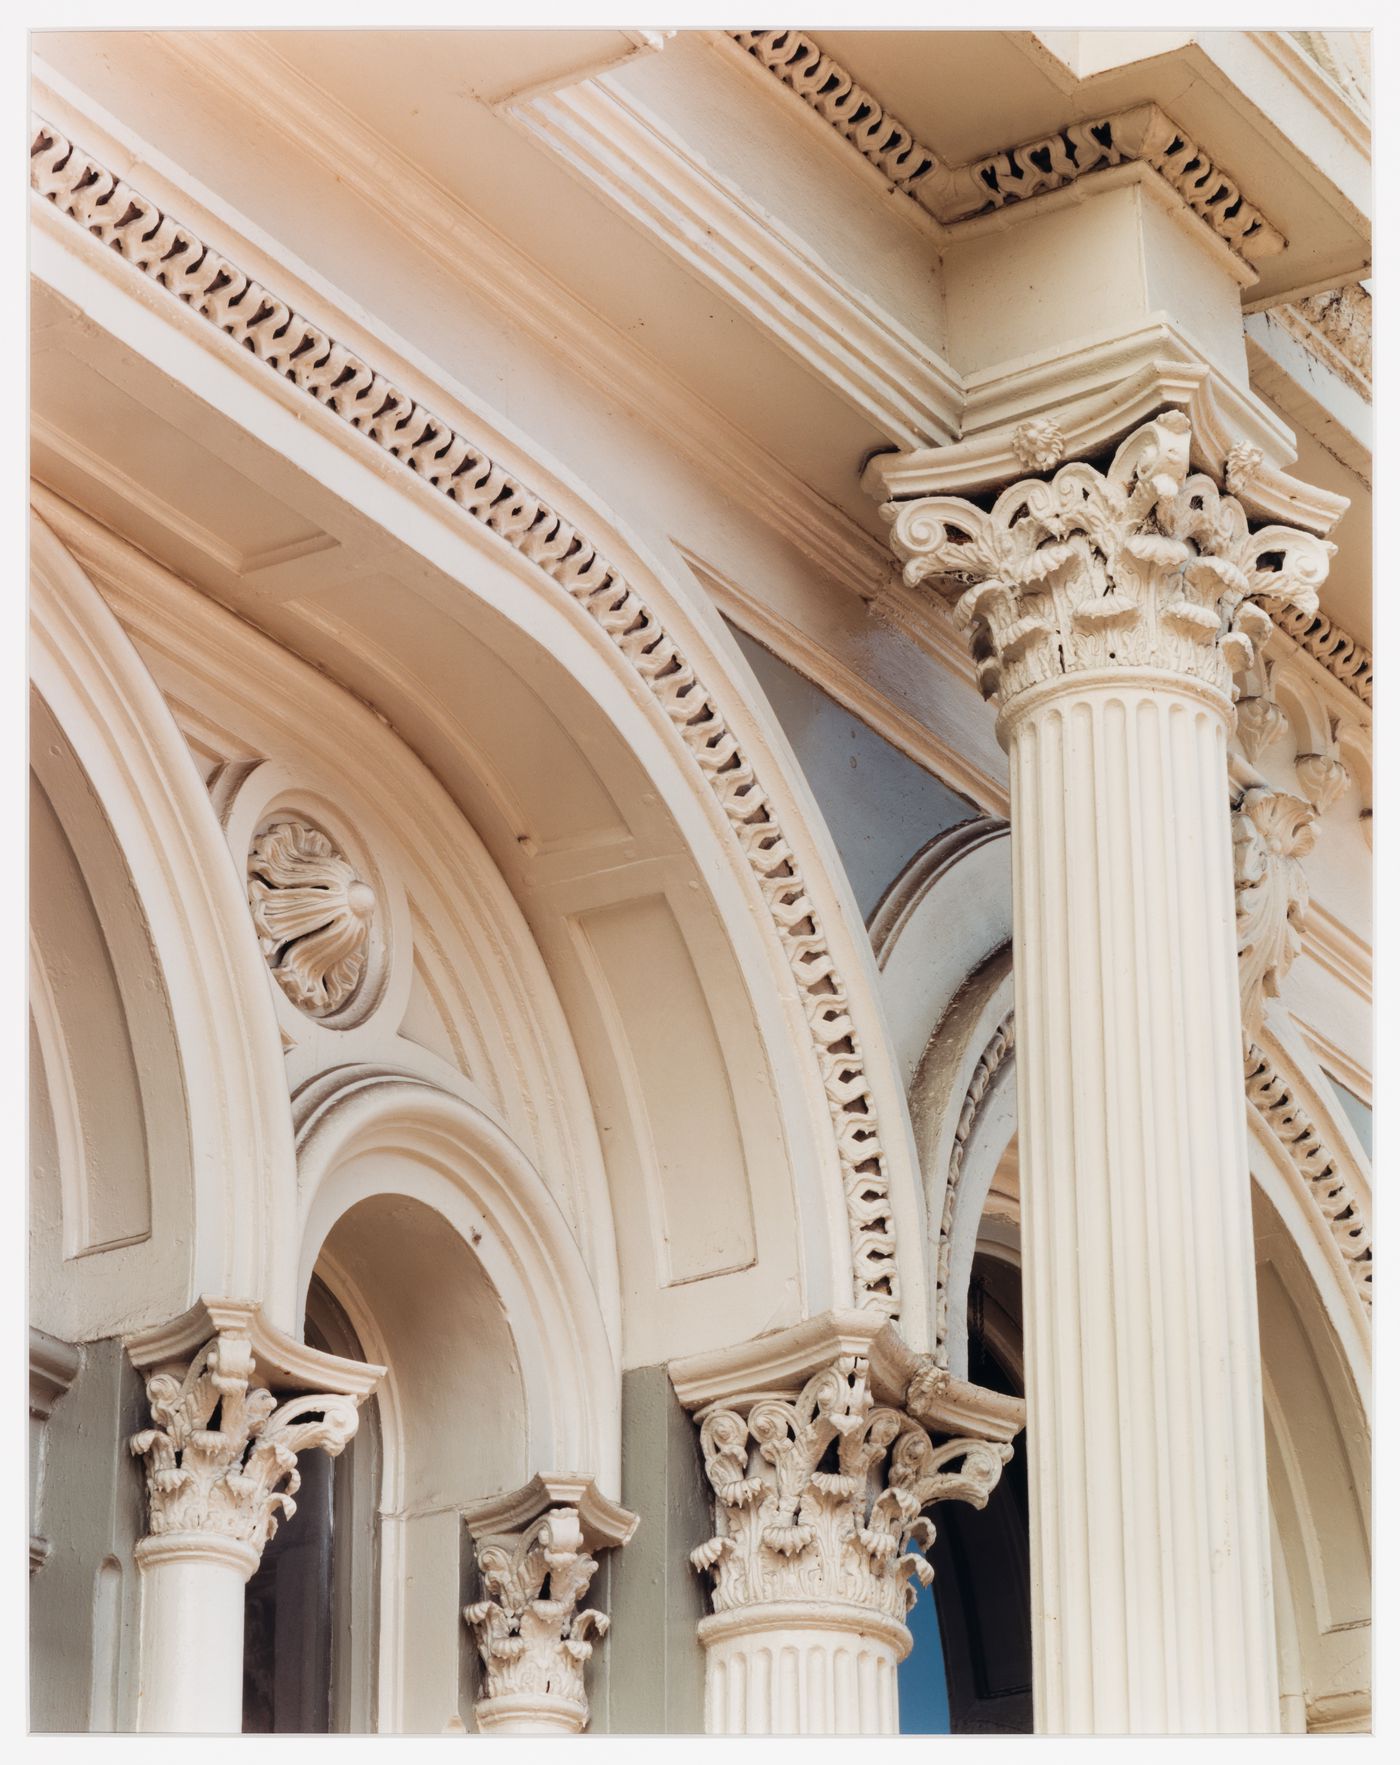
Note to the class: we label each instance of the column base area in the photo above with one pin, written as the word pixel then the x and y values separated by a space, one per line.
pixel 792 1668
pixel 530 1713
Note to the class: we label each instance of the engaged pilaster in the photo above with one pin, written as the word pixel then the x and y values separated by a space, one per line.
pixel 821 1503
pixel 1108 611
pixel 535 1554
pixel 221 1473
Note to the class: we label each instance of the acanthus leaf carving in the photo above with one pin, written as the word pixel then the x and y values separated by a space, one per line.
pixel 822 1498
pixel 1324 777
pixel 312 915
pixel 533 1639
pixel 236 1476
pixel 1145 565
pixel 1272 831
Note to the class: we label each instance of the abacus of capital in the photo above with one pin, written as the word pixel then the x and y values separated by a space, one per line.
pixel 1108 610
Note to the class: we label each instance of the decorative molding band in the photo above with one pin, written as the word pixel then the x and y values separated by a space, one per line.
pixel 955 193
pixel 1267 1091
pixel 997 1051
pixel 1271 833
pixel 1339 653
pixel 834 95
pixel 170 254
pixel 1335 329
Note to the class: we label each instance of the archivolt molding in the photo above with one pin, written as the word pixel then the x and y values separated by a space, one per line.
pixel 174 257
pixel 989 1064
pixel 1281 1111
pixel 955 193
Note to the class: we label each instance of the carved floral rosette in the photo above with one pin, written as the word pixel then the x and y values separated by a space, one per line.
pixel 235 1477
pixel 821 1499
pixel 533 1640
pixel 1145 565
pixel 312 914
pixel 1272 831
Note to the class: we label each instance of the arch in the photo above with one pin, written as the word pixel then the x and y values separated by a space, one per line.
pixel 456 1269
pixel 508 542
pixel 364 1132
pixel 942 942
pixel 238 1141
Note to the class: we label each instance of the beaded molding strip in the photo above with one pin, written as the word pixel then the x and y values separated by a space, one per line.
pixel 170 254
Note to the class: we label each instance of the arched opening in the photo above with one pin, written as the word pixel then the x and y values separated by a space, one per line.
pixel 310 1634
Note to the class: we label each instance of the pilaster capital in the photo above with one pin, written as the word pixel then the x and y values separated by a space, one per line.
pixel 221 1453
pixel 535 1553
pixel 1144 565
pixel 820 1499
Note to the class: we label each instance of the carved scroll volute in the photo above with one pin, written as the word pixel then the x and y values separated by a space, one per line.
pixel 1272 832
pixel 793 1530
pixel 221 1454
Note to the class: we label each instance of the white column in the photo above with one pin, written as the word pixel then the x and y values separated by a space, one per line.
pixel 220 1458
pixel 192 1632
pixel 534 1554
pixel 1107 612
pixel 820 1530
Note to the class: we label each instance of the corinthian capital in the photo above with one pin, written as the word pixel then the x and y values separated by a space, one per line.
pixel 1144 565
pixel 533 1633
pixel 822 1499
pixel 221 1456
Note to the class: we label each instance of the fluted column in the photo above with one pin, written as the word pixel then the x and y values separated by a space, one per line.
pixel 1107 612
pixel 535 1556
pixel 820 1531
pixel 221 1473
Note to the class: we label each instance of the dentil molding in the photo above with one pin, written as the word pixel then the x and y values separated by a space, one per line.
pixel 534 1551
pixel 169 254
pixel 1144 565
pixel 954 193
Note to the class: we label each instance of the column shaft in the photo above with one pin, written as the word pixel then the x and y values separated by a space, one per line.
pixel 192 1634
pixel 1152 1607
pixel 776 1672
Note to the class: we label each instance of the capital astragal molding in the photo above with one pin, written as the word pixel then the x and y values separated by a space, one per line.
pixel 1145 565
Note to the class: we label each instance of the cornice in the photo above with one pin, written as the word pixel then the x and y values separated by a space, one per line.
pixel 1334 327
pixel 881 369
pixel 509 283
pixel 70 183
pixel 53 1366
pixel 1024 170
